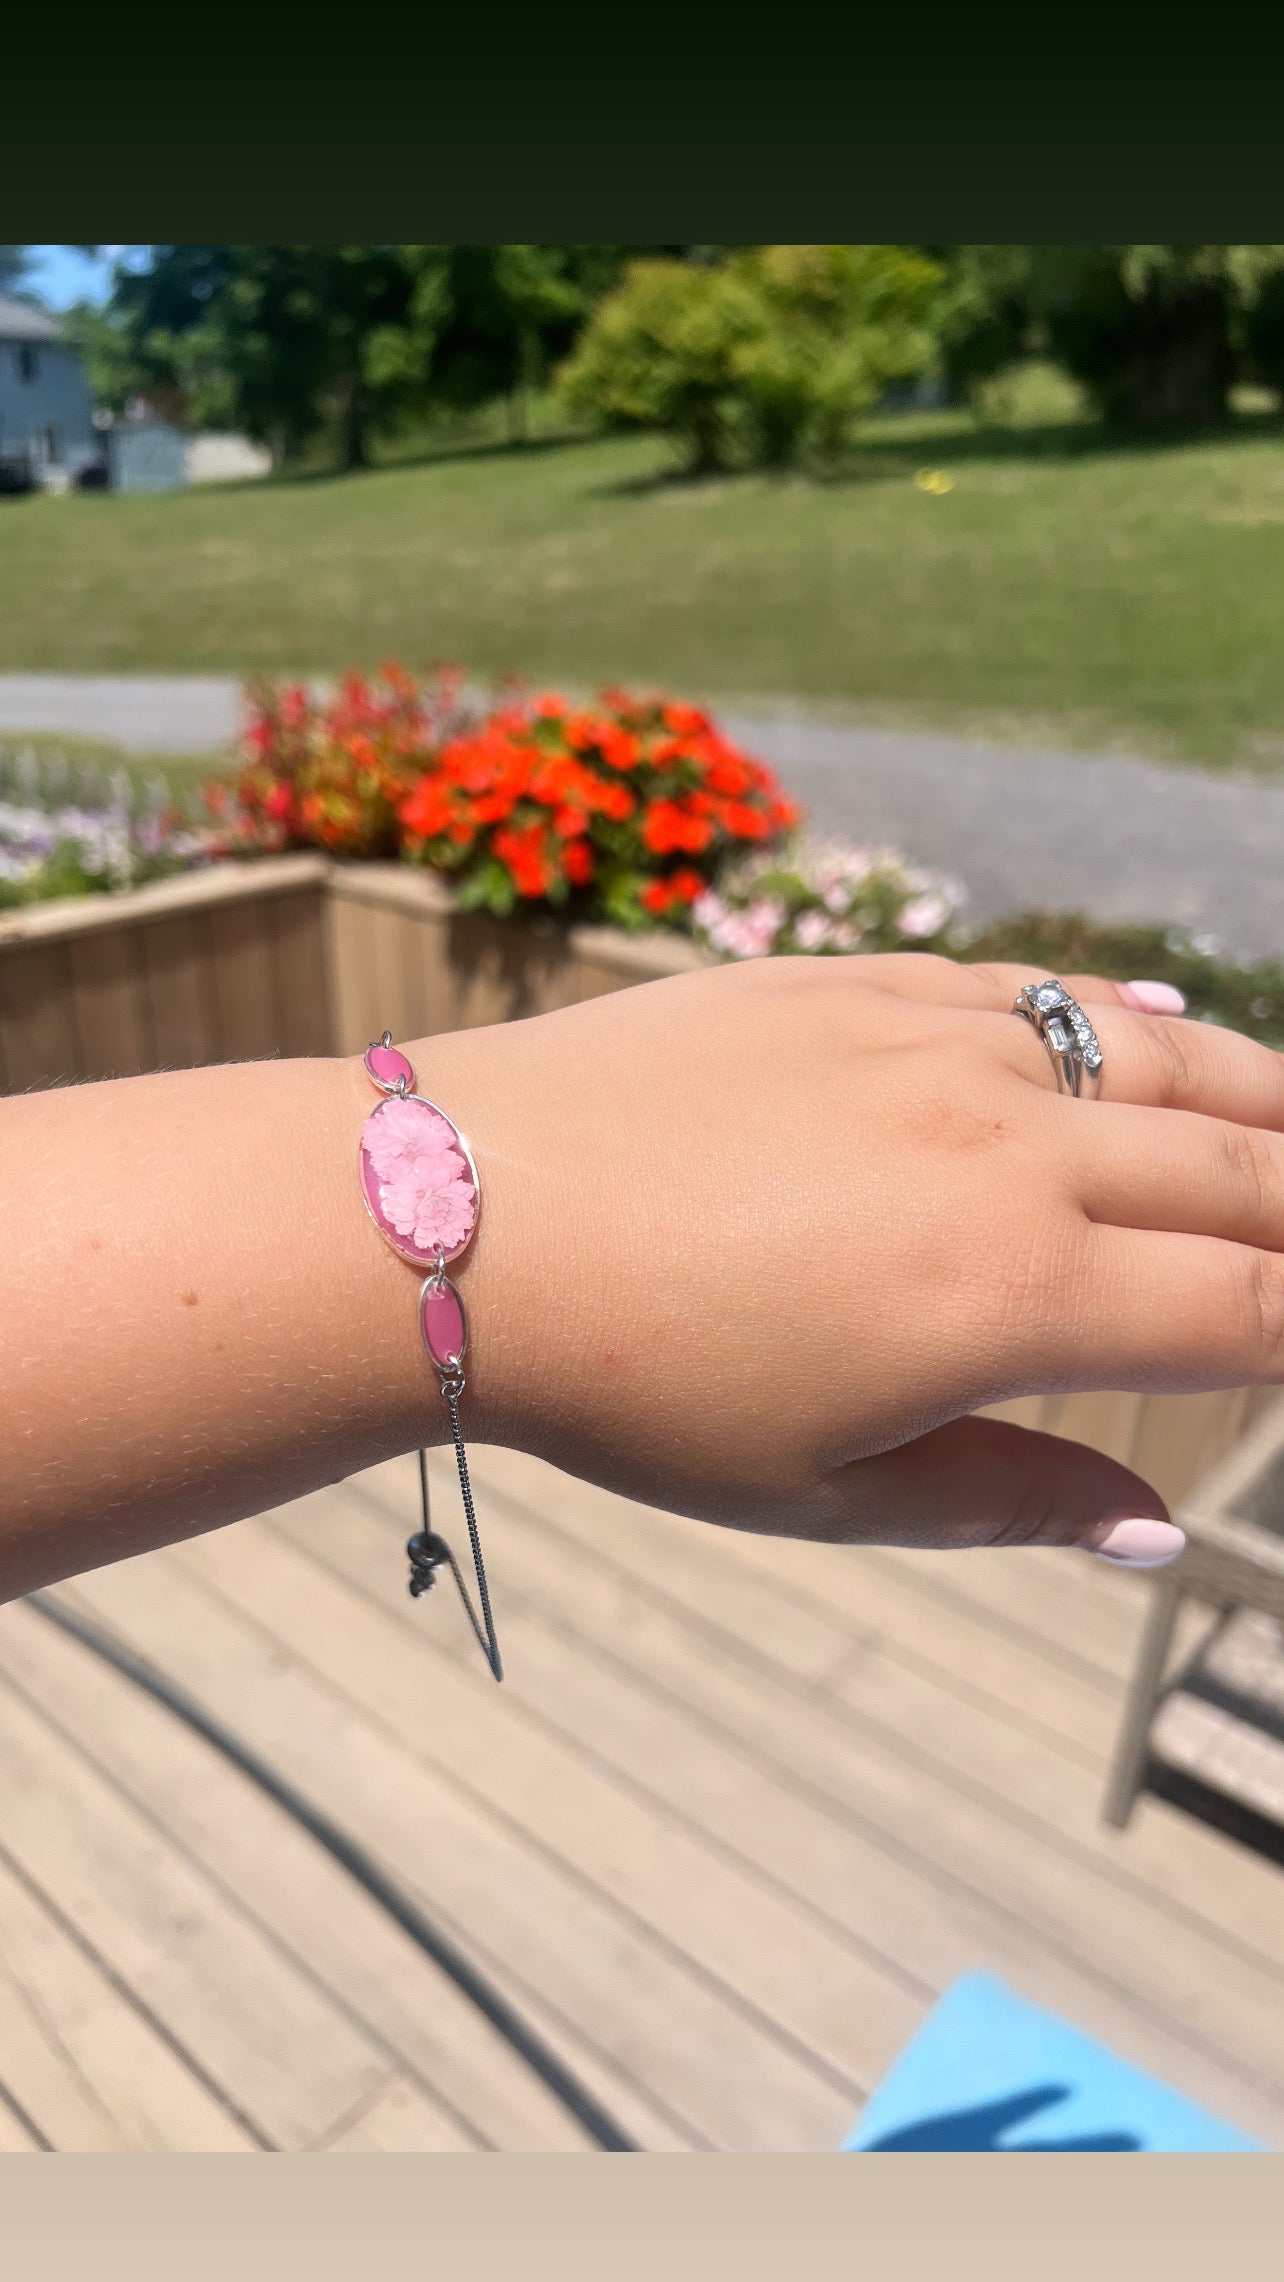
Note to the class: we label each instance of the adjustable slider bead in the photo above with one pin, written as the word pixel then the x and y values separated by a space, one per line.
pixel 427 1554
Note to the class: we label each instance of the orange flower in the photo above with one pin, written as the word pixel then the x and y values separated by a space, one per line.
pixel 666 752
pixel 729 772
pixel 581 731
pixel 525 854
pixel 668 828
pixel 619 748
pixel 636 783
pixel 428 809
pixel 554 778
pixel 614 801
pixel 742 821
pixel 684 720
pixel 577 862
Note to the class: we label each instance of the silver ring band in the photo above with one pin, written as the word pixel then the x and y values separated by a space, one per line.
pixel 1072 1044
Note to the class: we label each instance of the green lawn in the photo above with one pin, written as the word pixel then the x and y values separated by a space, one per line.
pixel 1064 589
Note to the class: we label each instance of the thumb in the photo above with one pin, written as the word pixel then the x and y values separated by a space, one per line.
pixel 980 1481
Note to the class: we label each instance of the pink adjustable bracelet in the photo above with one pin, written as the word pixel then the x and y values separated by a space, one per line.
pixel 421 1191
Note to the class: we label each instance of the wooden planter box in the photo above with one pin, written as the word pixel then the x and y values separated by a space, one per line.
pixel 291 955
pixel 295 955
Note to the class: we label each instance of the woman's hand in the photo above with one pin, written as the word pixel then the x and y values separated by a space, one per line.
pixel 755 1242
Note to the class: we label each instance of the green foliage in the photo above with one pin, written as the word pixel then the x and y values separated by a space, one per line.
pixel 1262 324
pixel 298 345
pixel 1034 394
pixel 984 321
pixel 767 358
pixel 659 354
pixel 1157 334
pixel 1247 998
pixel 510 312
pixel 15 261
pixel 287 342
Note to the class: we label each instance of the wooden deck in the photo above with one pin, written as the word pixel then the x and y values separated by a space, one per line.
pixel 741 1811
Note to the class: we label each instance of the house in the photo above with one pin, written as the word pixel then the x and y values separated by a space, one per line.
pixel 47 432
pixel 53 439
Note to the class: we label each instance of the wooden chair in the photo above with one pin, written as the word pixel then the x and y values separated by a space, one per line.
pixel 1219 1722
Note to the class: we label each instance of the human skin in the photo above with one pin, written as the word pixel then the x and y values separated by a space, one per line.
pixel 754 1242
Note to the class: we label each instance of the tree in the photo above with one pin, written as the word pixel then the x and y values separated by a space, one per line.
pixel 1262 321
pixel 290 343
pixel 287 342
pixel 15 262
pixel 767 357
pixel 984 316
pixel 512 311
pixel 1156 334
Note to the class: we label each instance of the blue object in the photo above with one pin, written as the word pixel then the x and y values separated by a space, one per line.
pixel 989 2072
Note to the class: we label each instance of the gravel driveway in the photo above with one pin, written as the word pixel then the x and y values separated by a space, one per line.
pixel 1119 839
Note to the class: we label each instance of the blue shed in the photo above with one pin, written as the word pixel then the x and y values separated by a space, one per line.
pixel 47 433
pixel 146 455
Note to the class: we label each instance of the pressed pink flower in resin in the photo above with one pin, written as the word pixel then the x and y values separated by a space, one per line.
pixel 417 1179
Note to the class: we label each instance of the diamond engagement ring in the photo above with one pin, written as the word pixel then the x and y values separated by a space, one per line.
pixel 1072 1043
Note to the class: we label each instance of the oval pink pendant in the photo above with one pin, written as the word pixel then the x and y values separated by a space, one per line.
pixel 387 1067
pixel 418 1179
pixel 442 1322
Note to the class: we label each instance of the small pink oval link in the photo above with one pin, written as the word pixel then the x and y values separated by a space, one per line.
pixel 387 1067
pixel 441 1320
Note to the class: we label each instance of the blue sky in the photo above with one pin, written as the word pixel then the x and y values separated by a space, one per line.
pixel 60 275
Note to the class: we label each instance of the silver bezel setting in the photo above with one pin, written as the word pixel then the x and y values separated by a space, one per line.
pixel 416 1259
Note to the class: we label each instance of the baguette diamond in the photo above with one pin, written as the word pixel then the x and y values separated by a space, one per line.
pixel 1073 1046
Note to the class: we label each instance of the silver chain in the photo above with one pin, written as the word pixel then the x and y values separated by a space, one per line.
pixel 428 1552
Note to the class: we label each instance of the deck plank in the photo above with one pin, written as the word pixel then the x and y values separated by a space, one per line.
pixel 87 2069
pixel 1182 1947
pixel 289 1886
pixel 1016 1775
pixel 592 1664
pixel 400 2120
pixel 742 1810
pixel 286 2061
pixel 16 2137
pixel 842 2010
pixel 715 2070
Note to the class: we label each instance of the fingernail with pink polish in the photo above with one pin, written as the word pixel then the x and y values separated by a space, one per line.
pixel 1152 998
pixel 1135 1544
